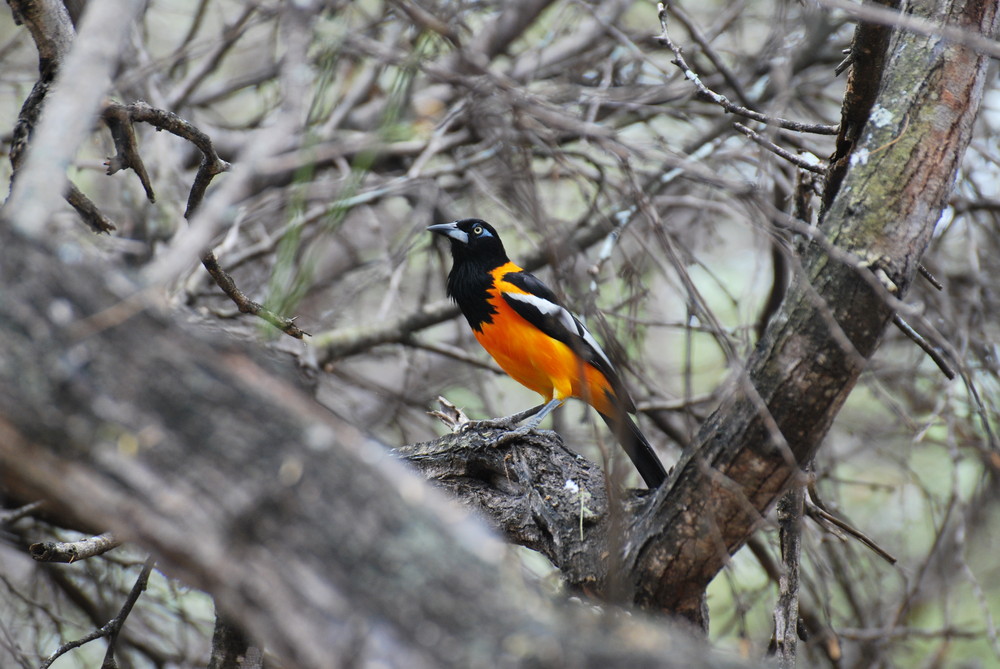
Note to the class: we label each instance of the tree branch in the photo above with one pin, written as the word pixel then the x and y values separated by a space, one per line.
pixel 57 551
pixel 120 119
pixel 534 490
pixel 722 100
pixel 113 626
pixel 82 79
pixel 786 611
pixel 244 303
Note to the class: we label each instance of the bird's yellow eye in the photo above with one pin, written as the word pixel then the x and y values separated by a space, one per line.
pixel 478 230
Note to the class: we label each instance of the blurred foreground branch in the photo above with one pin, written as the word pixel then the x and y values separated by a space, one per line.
pixel 325 526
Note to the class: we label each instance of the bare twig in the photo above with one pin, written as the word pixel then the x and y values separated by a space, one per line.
pixel 925 345
pixel 722 100
pixel 882 635
pixel 88 211
pixel 244 303
pixel 120 119
pixel 453 352
pixel 119 123
pixel 924 272
pixel 210 64
pixel 964 205
pixel 14 515
pixel 196 23
pixel 675 405
pixel 113 626
pixel 713 56
pixel 823 516
pixel 57 551
pixel 777 150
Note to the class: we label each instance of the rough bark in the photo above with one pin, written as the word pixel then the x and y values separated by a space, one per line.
pixel 784 643
pixel 52 30
pixel 540 494
pixel 869 50
pixel 531 488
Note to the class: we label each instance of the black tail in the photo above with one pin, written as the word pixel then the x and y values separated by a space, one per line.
pixel 633 441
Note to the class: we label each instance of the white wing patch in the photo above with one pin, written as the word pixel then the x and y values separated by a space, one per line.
pixel 589 338
pixel 573 325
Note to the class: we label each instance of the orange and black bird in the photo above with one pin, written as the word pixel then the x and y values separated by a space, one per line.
pixel 519 321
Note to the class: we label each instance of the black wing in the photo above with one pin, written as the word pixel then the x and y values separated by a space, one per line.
pixel 541 308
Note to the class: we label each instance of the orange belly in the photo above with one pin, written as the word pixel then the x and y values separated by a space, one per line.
pixel 541 363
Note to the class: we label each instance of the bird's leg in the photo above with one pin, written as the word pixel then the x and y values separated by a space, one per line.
pixel 531 424
pixel 540 414
pixel 516 418
pixel 507 422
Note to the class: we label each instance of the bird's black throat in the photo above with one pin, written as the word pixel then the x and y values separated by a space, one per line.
pixel 468 284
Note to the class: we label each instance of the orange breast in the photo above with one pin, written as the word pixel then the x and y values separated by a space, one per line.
pixel 542 363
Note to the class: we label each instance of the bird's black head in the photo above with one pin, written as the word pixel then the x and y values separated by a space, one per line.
pixel 473 240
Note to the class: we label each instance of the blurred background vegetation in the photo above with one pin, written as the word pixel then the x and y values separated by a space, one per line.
pixel 566 125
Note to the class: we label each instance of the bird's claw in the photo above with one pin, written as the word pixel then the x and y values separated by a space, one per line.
pixel 512 435
pixel 519 433
pixel 504 424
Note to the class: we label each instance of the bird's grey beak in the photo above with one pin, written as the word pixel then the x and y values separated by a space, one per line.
pixel 450 230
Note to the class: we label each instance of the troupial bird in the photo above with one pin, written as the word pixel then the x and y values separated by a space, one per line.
pixel 536 340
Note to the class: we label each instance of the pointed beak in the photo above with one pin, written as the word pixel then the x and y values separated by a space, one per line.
pixel 450 230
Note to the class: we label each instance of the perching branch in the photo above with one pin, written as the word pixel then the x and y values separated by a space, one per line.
pixel 534 490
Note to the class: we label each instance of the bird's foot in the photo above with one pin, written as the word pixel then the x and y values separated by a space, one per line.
pixel 507 423
pixel 512 435
pixel 507 426
pixel 504 424
pixel 518 434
